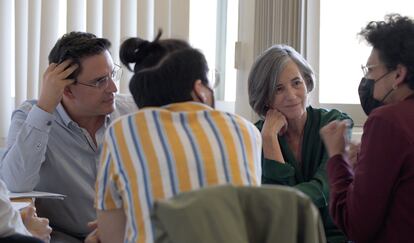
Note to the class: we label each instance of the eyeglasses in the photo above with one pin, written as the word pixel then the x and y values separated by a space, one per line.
pixel 102 83
pixel 368 68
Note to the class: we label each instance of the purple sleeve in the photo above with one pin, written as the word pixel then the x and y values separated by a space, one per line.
pixel 359 198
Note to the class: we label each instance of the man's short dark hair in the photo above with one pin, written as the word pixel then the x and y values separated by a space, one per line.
pixel 75 46
pixel 393 38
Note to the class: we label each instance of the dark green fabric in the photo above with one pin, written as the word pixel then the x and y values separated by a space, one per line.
pixel 309 175
pixel 230 214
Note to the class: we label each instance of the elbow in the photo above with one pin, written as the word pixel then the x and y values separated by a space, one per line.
pixel 17 184
pixel 20 187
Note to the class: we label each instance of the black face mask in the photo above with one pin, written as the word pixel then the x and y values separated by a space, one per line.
pixel 366 94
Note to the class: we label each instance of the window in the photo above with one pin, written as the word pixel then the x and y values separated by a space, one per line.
pixel 213 29
pixel 341 51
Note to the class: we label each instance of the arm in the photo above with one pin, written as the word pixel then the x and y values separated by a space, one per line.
pixel 111 225
pixel 38 227
pixel 26 147
pixel 10 221
pixel 315 156
pixel 30 126
pixel 274 168
pixel 360 198
pixel 108 202
pixel 273 124
pixel 285 174
pixel 352 152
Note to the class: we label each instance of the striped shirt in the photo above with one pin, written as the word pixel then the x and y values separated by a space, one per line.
pixel 157 153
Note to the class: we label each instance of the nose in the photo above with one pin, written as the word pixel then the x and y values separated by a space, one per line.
pixel 290 93
pixel 112 86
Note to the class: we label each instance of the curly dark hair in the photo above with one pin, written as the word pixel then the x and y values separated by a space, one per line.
pixel 393 38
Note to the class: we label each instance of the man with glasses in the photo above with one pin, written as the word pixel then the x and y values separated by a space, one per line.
pixel 53 142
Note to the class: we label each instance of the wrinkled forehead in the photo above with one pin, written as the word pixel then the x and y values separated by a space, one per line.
pixel 96 66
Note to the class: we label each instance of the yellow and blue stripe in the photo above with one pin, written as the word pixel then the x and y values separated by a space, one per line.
pixel 157 153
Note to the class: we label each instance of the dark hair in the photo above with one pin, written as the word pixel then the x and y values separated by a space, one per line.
pixel 76 45
pixel 165 70
pixel 394 41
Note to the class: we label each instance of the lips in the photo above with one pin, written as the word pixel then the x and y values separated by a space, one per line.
pixel 292 106
pixel 109 99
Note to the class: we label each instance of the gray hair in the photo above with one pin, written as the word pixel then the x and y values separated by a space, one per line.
pixel 265 73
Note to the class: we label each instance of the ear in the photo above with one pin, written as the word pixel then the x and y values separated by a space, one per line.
pixel 67 92
pixel 199 92
pixel 400 75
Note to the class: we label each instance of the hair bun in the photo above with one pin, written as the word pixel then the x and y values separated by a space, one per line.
pixel 131 49
pixel 141 52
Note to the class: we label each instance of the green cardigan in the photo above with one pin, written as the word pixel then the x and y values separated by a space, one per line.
pixel 309 176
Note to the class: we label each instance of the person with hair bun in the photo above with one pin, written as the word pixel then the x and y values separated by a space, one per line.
pixel 176 142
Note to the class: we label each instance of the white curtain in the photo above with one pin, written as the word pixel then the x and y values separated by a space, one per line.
pixel 262 24
pixel 6 8
pixel 277 22
pixel 36 25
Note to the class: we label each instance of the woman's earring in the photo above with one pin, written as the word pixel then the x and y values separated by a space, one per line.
pixel 395 86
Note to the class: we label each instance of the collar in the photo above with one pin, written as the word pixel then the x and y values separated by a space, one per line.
pixel 184 107
pixel 411 96
pixel 60 110
pixel 63 114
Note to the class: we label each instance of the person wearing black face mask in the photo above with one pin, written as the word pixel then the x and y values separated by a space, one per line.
pixel 366 92
pixel 372 200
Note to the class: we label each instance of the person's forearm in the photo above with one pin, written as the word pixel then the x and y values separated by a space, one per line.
pixel 271 149
pixel 111 225
pixel 10 221
pixel 24 156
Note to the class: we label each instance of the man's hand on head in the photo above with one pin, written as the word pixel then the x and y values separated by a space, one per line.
pixel 54 83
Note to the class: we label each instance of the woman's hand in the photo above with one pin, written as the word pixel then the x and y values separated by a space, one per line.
pixel 38 227
pixel 352 152
pixel 334 135
pixel 275 123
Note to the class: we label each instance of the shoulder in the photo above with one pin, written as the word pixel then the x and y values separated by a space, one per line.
pixel 26 106
pixel 236 118
pixel 117 119
pixel 124 104
pixel 23 109
pixel 326 115
pixel 242 120
pixel 392 112
pixel 396 115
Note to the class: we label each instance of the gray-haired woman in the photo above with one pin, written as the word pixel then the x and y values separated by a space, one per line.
pixel 293 152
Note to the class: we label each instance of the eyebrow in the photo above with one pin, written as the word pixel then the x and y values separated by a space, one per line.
pixel 96 79
pixel 291 80
pixel 297 79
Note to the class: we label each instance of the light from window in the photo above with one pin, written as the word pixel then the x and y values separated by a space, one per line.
pixel 203 30
pixel 341 51
pixel 214 30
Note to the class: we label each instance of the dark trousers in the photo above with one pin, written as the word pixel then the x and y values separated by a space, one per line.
pixel 17 238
